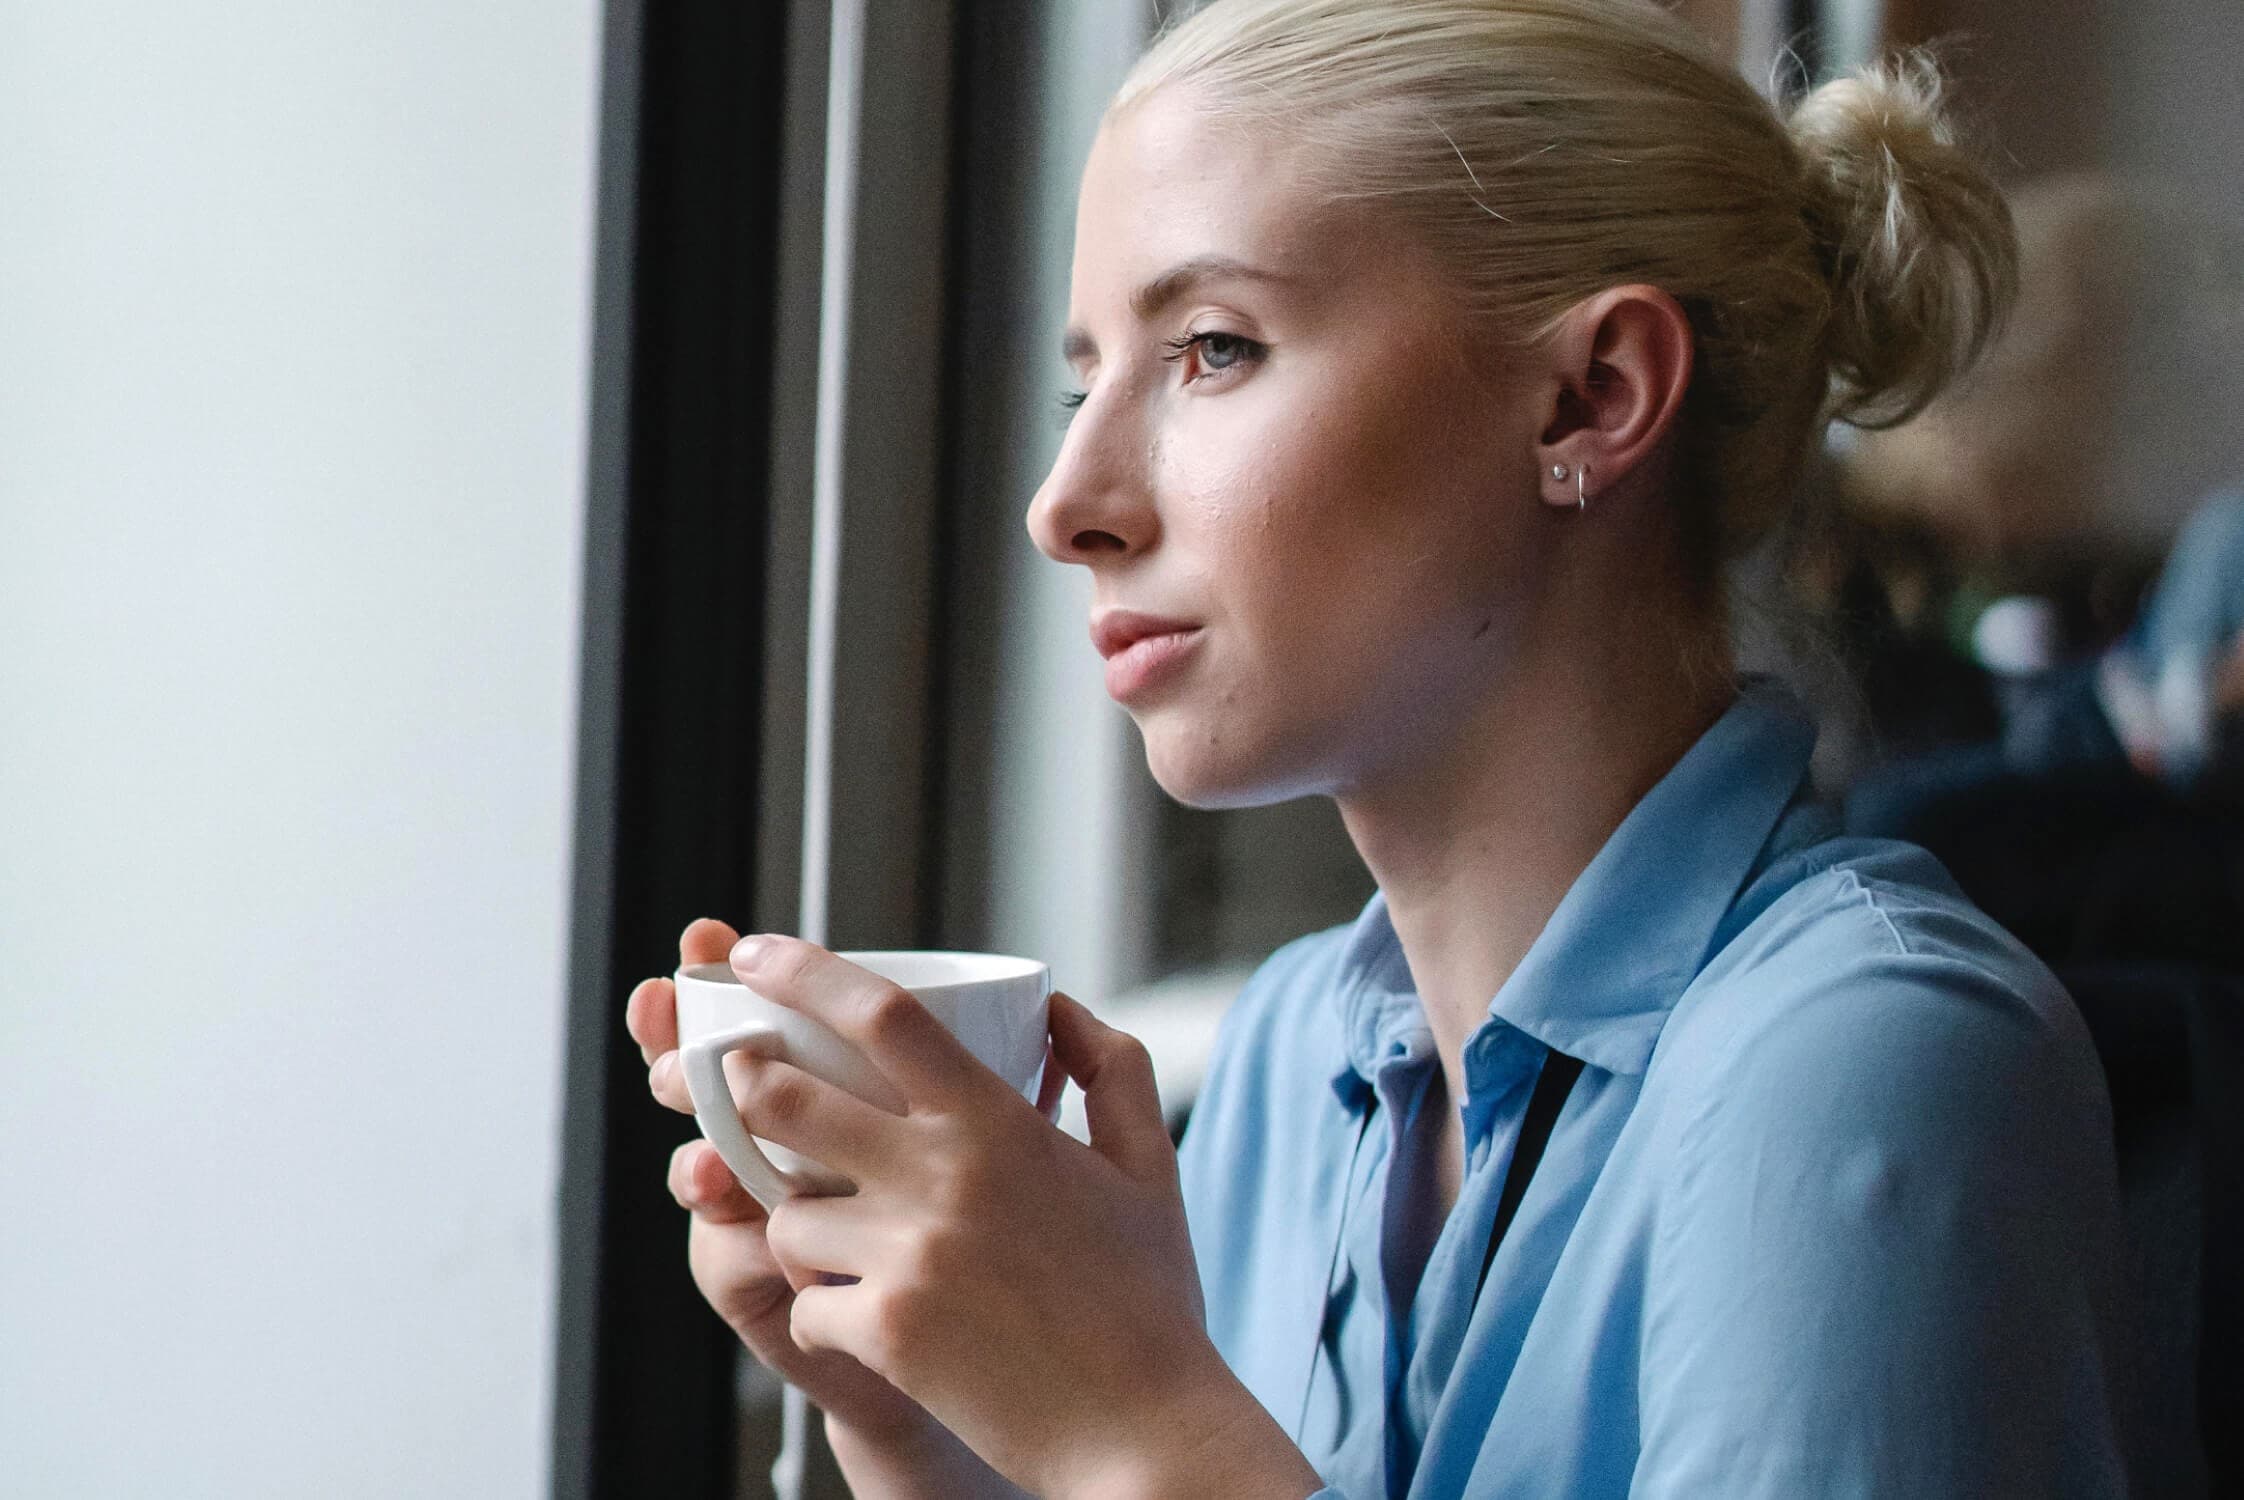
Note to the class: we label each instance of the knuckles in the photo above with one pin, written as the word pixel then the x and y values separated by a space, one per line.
pixel 897 1308
pixel 885 1333
pixel 786 964
pixel 1126 1051
pixel 889 1016
pixel 741 1281
pixel 779 1239
pixel 891 1326
pixel 747 1303
pixel 773 1093
pixel 885 1014
pixel 957 1190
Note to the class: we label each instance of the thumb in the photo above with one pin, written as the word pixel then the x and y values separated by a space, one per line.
pixel 1119 1098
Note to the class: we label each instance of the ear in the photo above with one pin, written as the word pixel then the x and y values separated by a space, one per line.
pixel 1621 361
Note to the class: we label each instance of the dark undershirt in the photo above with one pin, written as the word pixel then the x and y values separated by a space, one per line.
pixel 1414 1212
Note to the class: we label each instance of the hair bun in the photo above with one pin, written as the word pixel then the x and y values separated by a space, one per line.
pixel 1916 240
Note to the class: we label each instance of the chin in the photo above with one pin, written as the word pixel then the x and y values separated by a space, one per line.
pixel 1210 773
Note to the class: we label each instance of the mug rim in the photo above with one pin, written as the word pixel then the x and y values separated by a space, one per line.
pixel 1006 968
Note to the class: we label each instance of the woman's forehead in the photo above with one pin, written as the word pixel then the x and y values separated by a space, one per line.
pixel 1168 182
pixel 1178 199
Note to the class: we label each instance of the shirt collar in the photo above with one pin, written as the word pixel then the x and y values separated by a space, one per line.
pixel 1633 930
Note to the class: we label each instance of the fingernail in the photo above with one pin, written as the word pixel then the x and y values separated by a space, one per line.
pixel 749 950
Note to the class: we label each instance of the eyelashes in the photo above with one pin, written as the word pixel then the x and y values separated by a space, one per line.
pixel 1218 353
pixel 1213 344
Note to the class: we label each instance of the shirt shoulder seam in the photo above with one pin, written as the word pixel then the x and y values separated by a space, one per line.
pixel 1861 888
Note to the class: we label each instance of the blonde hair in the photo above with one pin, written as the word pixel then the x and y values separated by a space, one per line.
pixel 1847 262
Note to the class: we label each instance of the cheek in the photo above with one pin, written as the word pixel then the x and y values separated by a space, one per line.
pixel 1342 516
pixel 1345 535
pixel 1339 588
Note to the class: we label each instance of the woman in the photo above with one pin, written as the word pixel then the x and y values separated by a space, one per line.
pixel 1432 357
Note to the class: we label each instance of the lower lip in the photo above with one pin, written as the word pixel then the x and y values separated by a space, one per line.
pixel 1147 663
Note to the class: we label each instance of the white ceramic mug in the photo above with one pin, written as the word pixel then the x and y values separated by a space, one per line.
pixel 993 1004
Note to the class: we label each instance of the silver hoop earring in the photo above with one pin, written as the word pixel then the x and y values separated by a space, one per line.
pixel 1581 497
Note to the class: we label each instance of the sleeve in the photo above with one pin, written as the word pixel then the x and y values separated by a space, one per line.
pixel 1883 1260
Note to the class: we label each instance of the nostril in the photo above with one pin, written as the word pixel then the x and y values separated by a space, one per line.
pixel 1098 541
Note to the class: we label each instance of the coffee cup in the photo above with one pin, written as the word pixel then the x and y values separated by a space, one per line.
pixel 994 1005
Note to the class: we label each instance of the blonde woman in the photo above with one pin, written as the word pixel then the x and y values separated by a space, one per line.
pixel 1640 1137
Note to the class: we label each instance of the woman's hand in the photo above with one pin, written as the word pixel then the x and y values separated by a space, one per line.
pixel 1036 1295
pixel 888 1443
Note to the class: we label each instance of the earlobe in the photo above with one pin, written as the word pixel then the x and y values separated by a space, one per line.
pixel 1580 475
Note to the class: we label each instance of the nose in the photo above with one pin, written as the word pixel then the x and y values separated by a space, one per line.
pixel 1094 507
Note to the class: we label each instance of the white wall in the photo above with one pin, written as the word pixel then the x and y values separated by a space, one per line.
pixel 292 379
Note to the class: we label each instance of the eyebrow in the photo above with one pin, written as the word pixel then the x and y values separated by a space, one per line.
pixel 1148 300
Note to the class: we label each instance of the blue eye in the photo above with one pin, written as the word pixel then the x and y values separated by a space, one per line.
pixel 1220 351
pixel 1216 352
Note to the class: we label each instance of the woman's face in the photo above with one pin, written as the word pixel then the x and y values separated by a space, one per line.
pixel 1284 464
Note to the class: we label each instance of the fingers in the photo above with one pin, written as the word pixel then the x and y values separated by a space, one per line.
pixel 704 1186
pixel 651 1016
pixel 651 1013
pixel 1050 1087
pixel 666 1080
pixel 729 1253
pixel 735 1272
pixel 805 1113
pixel 1120 1100
pixel 814 1237
pixel 705 941
pixel 832 1318
pixel 799 1110
pixel 896 1033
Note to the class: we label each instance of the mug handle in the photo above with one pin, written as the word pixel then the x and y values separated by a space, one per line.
pixel 719 1116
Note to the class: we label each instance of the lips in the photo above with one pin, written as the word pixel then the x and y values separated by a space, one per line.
pixel 1116 630
pixel 1141 649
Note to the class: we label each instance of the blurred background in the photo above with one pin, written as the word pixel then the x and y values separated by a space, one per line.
pixel 481 486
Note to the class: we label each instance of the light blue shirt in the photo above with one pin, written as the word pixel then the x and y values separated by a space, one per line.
pixel 1831 1209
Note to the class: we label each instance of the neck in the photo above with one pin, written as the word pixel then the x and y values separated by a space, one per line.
pixel 1474 849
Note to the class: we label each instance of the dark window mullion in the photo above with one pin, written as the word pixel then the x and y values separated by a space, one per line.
pixel 670 706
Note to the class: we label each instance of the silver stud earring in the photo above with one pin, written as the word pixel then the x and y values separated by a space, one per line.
pixel 1558 471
